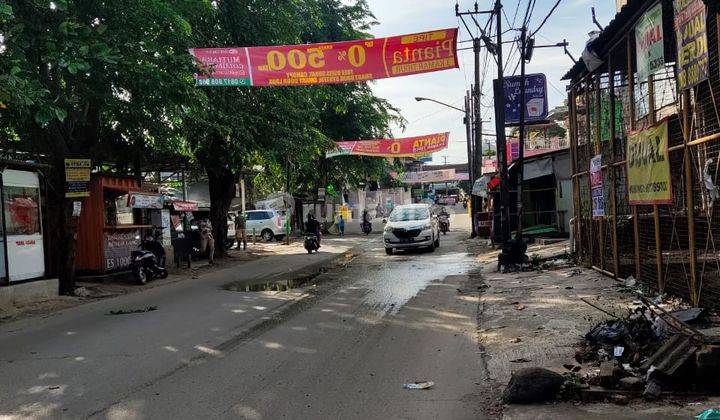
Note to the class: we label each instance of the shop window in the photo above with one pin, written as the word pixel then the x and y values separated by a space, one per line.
pixel 22 210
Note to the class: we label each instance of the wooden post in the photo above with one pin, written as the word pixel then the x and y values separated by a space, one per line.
pixel 588 134
pixel 598 149
pixel 611 167
pixel 656 208
pixel 633 126
pixel 573 156
pixel 690 199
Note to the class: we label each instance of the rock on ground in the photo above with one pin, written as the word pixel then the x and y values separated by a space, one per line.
pixel 532 385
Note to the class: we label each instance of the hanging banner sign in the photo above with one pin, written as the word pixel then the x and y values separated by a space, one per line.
pixel 425 177
pixel 77 178
pixel 327 63
pixel 536 101
pixel 144 201
pixel 691 34
pixel 405 147
pixel 648 166
pixel 596 186
pixel 185 206
pixel 650 43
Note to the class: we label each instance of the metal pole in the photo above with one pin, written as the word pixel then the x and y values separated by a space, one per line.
pixel 471 168
pixel 499 94
pixel 521 146
pixel 477 157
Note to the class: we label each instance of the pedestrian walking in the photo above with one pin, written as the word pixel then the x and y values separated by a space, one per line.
pixel 341 225
pixel 207 241
pixel 240 225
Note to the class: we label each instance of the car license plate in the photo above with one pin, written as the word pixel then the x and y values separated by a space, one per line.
pixel 405 240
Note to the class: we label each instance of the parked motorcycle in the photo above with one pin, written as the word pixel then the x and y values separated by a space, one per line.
pixel 444 222
pixel 311 243
pixel 148 262
pixel 366 227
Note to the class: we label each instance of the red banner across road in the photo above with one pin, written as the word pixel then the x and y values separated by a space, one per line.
pixel 327 63
pixel 405 147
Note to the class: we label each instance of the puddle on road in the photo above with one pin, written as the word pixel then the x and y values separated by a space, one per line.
pixel 396 282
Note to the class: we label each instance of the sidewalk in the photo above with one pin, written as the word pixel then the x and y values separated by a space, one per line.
pixel 535 319
pixel 93 291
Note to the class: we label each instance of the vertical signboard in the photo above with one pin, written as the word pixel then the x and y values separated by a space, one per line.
pixel 536 102
pixel 692 43
pixel 77 177
pixel 650 43
pixel 596 187
pixel 648 166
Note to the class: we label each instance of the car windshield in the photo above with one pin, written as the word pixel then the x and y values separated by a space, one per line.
pixel 409 214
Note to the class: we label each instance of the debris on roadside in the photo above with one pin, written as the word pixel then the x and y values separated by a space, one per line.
pixel 655 349
pixel 133 311
pixel 709 414
pixel 419 385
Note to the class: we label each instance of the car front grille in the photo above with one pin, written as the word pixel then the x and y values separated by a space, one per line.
pixel 405 234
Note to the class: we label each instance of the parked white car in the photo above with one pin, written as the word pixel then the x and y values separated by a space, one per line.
pixel 266 223
pixel 411 226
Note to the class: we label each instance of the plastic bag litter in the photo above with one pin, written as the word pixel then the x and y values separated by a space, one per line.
pixel 709 414
pixel 419 385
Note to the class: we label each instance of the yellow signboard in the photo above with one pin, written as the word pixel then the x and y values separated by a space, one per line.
pixel 648 166
pixel 77 177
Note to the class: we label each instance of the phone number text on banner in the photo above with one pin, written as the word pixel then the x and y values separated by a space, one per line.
pixel 648 166
pixel 328 63
pixel 405 147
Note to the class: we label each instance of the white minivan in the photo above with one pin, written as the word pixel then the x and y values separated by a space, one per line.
pixel 268 223
pixel 411 226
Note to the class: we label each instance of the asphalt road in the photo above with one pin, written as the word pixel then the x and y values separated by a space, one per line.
pixel 343 351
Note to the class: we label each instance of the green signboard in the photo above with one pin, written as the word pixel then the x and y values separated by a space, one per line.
pixel 649 43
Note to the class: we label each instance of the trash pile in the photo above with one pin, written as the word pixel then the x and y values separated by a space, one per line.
pixel 659 346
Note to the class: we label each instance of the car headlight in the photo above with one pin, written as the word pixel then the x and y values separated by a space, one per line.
pixel 427 227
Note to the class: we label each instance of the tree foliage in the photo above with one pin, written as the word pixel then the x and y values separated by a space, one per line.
pixel 112 80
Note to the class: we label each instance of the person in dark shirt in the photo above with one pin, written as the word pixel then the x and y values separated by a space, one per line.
pixel 313 226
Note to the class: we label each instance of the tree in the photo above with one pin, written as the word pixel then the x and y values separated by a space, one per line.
pixel 102 80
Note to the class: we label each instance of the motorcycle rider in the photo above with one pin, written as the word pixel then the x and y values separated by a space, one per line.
pixel 313 226
pixel 365 219
pixel 444 216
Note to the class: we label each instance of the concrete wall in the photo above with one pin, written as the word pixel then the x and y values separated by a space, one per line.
pixel 29 292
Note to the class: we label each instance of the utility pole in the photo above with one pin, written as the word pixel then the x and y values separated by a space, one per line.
pixel 499 95
pixel 477 158
pixel 521 155
pixel 473 103
pixel 471 161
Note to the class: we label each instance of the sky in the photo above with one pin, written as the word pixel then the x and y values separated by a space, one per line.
pixel 572 20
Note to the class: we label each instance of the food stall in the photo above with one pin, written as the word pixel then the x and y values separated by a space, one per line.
pixel 111 223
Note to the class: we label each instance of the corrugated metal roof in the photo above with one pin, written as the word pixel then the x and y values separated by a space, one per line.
pixel 612 32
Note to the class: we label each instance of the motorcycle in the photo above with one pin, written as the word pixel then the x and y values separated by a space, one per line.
pixel 311 243
pixel 148 262
pixel 366 227
pixel 444 222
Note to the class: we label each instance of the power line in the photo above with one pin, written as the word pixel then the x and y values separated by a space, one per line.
pixel 546 18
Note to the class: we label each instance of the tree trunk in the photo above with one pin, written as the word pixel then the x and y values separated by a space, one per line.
pixel 63 227
pixel 222 184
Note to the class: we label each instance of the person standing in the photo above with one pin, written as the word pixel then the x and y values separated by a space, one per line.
pixel 207 241
pixel 341 225
pixel 240 225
